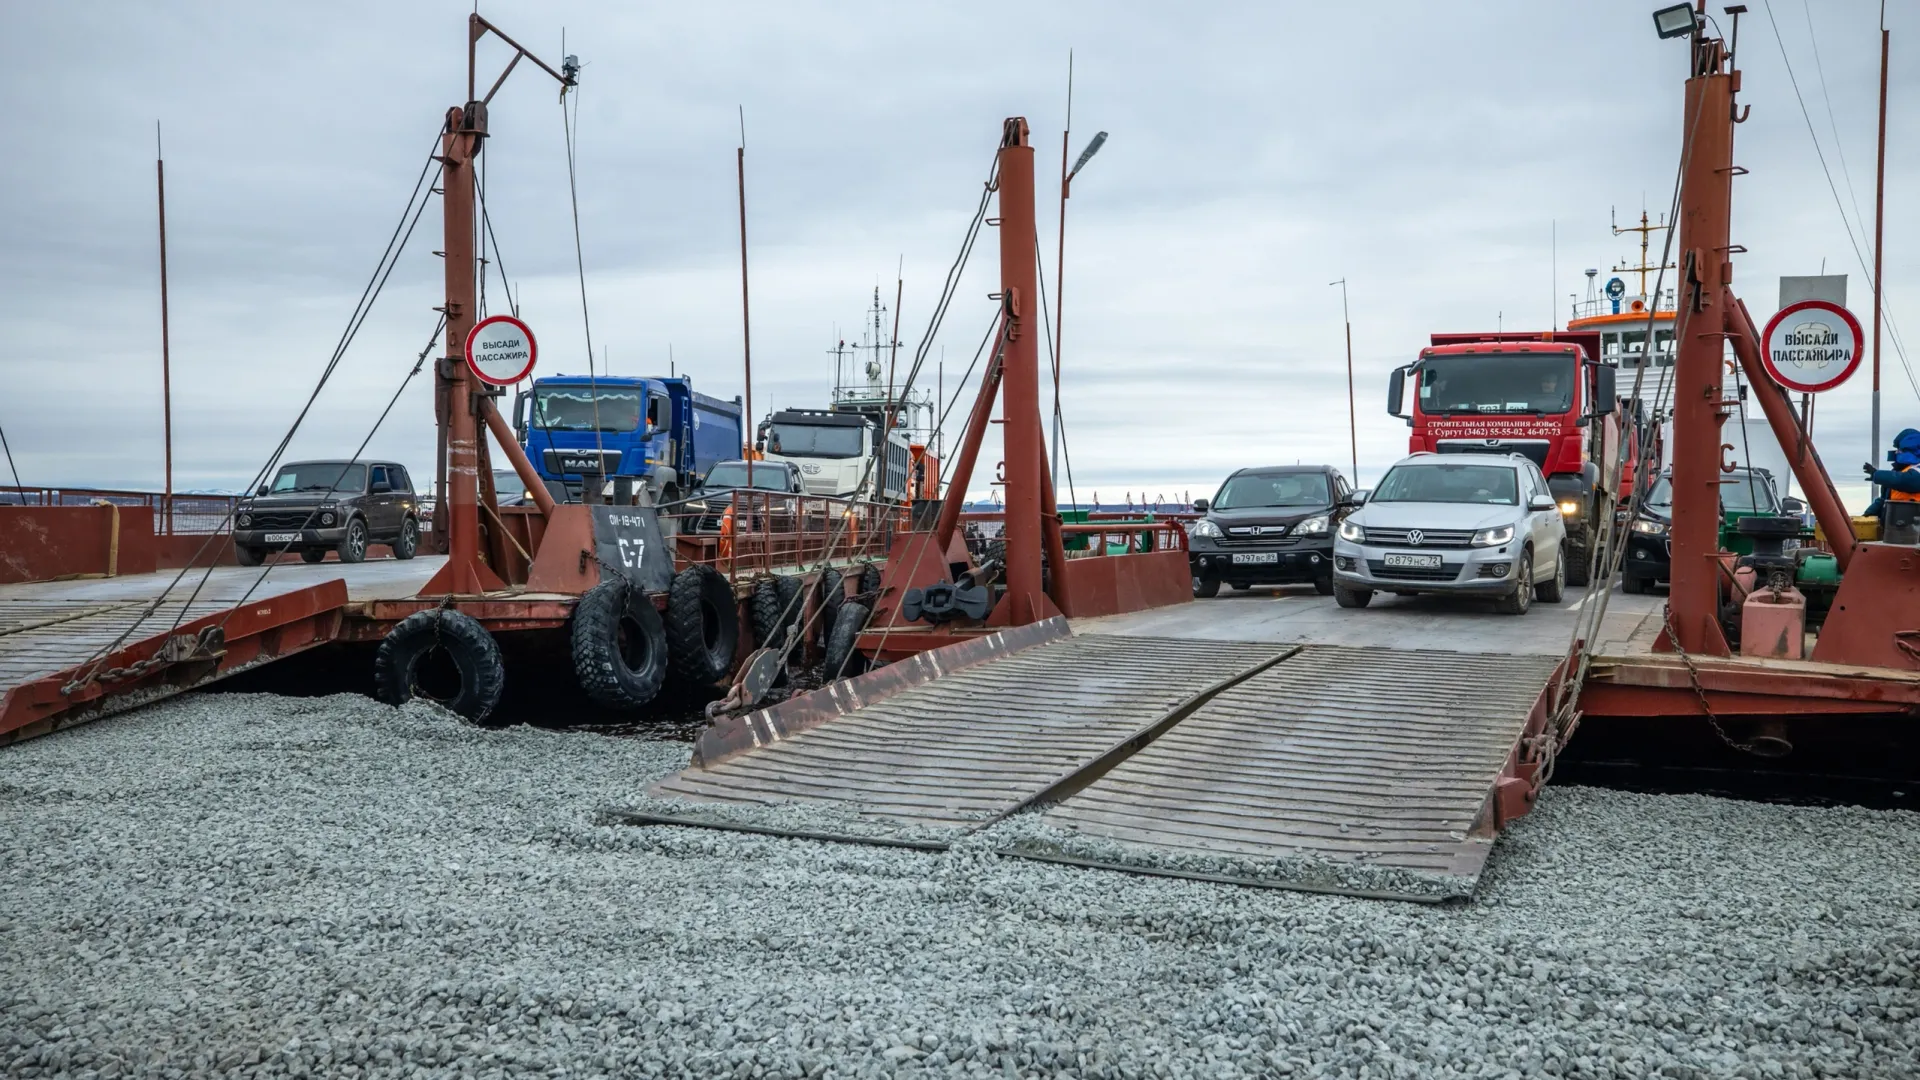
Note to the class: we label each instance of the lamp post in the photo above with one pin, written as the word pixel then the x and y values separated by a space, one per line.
pixel 1353 426
pixel 1060 255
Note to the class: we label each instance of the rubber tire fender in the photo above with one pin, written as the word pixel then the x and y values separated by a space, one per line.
pixel 833 596
pixel 611 678
pixel 475 655
pixel 703 625
pixel 842 660
pixel 767 610
pixel 791 588
pixel 869 580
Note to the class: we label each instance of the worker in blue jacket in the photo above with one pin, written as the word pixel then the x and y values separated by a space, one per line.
pixel 1902 482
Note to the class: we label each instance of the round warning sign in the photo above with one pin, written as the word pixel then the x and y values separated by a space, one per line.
pixel 500 350
pixel 1811 346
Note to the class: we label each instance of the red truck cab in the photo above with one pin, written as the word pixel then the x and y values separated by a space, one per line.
pixel 1544 396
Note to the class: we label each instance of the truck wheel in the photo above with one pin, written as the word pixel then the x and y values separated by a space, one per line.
pixel 1632 584
pixel 1520 600
pixel 441 655
pixel 408 541
pixel 1577 551
pixel 703 625
pixel 353 546
pixel 248 556
pixel 1352 598
pixel 843 661
pixel 1552 591
pixel 1206 586
pixel 313 555
pixel 619 646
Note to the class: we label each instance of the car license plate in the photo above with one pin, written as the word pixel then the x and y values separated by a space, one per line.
pixel 1256 557
pixel 280 538
pixel 1414 562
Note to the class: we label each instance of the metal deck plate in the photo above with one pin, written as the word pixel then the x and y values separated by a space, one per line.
pixel 976 744
pixel 1354 770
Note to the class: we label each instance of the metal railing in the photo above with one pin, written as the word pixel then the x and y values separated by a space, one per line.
pixel 748 534
pixel 185 514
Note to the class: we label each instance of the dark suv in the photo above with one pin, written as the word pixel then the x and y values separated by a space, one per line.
pixel 1744 493
pixel 1269 526
pixel 314 507
pixel 709 505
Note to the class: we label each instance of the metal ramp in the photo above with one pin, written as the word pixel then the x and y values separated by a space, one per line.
pixel 1357 770
pixel 972 746
pixel 1363 771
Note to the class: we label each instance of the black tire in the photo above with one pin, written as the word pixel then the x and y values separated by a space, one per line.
pixel 1205 586
pixel 1323 586
pixel 1633 584
pixel 790 587
pixel 833 596
pixel 408 542
pixel 313 555
pixel 1352 598
pixel 1240 586
pixel 767 610
pixel 843 661
pixel 1577 552
pixel 413 661
pixel 869 580
pixel 619 646
pixel 1520 600
pixel 703 625
pixel 353 546
pixel 248 556
pixel 1554 590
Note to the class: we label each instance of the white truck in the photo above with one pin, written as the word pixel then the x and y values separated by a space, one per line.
pixel 833 450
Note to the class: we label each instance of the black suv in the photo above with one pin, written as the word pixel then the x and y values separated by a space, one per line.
pixel 1272 525
pixel 1743 493
pixel 709 505
pixel 314 507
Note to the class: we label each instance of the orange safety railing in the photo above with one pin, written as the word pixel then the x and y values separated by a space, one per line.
pixel 746 534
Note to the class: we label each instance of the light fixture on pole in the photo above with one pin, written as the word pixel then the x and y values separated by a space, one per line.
pixel 1676 21
pixel 1093 147
pixel 1353 423
pixel 1060 255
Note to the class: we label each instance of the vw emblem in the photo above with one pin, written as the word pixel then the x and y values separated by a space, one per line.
pixel 1416 537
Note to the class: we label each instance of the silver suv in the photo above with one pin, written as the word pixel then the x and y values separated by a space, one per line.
pixel 1458 524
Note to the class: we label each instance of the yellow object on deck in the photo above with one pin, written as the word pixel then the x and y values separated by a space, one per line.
pixel 1864 529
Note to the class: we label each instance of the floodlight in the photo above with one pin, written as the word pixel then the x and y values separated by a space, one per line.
pixel 1093 147
pixel 1676 21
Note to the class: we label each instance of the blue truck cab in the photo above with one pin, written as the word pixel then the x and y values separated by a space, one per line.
pixel 655 429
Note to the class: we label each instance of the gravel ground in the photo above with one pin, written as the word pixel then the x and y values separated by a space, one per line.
pixel 250 885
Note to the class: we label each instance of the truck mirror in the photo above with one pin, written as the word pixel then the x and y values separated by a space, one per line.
pixel 1606 379
pixel 520 415
pixel 1396 391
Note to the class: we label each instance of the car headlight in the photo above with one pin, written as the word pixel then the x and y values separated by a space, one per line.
pixel 1204 528
pixel 243 520
pixel 1569 508
pixel 1352 532
pixel 1313 526
pixel 326 518
pixel 1493 537
pixel 1650 528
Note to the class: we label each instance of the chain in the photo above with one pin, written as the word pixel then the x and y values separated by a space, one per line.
pixel 1693 676
pixel 209 644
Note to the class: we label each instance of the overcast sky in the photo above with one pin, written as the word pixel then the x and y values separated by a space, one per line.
pixel 1427 153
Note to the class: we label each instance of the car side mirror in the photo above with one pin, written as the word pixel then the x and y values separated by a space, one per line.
pixel 263 490
pixel 380 487
pixel 1542 502
pixel 1200 506
pixel 1793 506
pixel 1358 498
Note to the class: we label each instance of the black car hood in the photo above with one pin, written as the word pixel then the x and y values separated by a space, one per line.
pixel 1266 515
pixel 292 499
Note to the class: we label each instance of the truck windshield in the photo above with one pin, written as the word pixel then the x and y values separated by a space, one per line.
pixel 573 408
pixel 1251 490
pixel 1497 485
pixel 1496 383
pixel 321 476
pixel 813 440
pixel 1740 493
pixel 766 477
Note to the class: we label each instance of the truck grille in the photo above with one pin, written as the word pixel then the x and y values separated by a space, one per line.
pixel 1382 572
pixel 580 462
pixel 1429 538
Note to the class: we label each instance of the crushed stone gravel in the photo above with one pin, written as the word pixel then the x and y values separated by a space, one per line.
pixel 250 885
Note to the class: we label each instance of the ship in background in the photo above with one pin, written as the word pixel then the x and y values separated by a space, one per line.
pixel 1636 329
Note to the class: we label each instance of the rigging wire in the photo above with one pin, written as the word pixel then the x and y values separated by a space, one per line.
pixel 1059 418
pixel 1839 148
pixel 1886 315
pixel 10 465
pixel 571 128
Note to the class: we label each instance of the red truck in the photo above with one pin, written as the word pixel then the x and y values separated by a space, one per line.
pixel 1545 395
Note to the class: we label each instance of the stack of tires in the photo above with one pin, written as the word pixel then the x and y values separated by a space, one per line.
pixel 624 649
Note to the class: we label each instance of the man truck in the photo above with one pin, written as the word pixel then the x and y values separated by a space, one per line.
pixel 1546 396
pixel 579 428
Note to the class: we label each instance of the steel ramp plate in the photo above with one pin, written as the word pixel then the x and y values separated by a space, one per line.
pixel 973 745
pixel 1354 770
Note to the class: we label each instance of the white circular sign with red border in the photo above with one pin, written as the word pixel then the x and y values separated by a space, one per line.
pixel 500 350
pixel 1811 346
